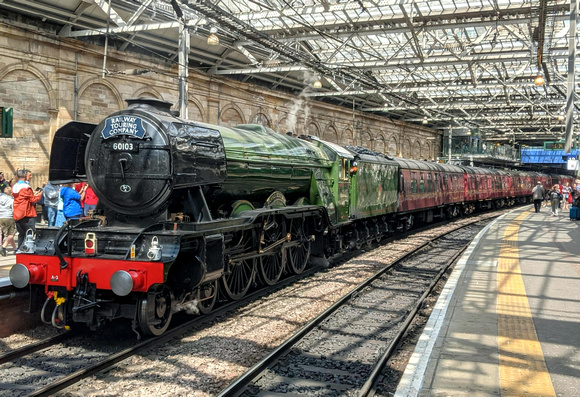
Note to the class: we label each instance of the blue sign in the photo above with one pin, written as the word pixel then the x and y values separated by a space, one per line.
pixel 123 125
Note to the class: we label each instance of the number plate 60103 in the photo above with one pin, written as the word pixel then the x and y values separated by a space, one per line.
pixel 125 147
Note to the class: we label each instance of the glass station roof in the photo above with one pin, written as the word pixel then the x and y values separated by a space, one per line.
pixel 438 63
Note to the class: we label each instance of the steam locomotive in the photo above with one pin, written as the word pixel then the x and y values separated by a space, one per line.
pixel 191 211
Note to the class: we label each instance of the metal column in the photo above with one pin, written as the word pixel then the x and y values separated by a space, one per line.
pixel 450 140
pixel 571 76
pixel 183 70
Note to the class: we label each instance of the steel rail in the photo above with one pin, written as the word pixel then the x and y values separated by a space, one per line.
pixel 239 385
pixel 368 387
pixel 36 347
pixel 115 358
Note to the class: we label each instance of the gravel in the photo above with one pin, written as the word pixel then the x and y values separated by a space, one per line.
pixel 27 337
pixel 204 362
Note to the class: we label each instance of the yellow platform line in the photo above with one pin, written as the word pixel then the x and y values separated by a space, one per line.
pixel 522 368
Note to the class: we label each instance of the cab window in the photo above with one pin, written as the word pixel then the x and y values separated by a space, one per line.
pixel 344 168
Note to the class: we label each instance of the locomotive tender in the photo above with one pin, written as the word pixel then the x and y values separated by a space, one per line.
pixel 189 211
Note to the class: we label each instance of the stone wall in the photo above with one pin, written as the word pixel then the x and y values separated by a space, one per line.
pixel 46 80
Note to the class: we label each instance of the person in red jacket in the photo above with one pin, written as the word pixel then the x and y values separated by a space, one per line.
pixel 90 200
pixel 25 200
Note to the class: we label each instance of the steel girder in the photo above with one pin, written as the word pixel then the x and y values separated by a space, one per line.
pixel 467 62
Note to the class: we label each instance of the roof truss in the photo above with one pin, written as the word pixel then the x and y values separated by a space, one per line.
pixel 467 63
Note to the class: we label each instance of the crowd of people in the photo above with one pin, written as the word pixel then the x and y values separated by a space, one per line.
pixel 73 200
pixel 18 203
pixel 559 197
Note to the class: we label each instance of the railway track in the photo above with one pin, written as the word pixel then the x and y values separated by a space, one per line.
pixel 35 380
pixel 342 351
pixel 35 347
pixel 46 367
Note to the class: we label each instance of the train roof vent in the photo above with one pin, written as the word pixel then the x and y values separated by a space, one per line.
pixel 158 104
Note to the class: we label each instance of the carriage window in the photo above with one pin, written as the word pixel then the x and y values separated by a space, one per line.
pixel 413 182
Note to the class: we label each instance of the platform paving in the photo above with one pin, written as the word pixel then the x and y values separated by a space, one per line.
pixel 511 323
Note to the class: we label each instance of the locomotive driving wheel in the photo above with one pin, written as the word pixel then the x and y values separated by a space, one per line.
pixel 272 265
pixel 298 255
pixel 239 273
pixel 154 310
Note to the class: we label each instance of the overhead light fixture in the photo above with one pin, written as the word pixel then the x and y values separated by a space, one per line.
pixel 212 39
pixel 317 83
pixel 539 80
pixel 468 132
pixel 561 117
pixel 425 121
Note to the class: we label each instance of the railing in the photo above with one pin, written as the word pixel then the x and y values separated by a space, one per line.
pixel 462 147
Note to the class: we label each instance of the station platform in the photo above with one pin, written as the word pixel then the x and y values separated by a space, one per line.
pixel 508 319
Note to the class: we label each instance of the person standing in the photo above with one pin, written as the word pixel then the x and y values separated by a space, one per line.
pixel 51 202
pixel 6 219
pixel 555 199
pixel 566 191
pixel 538 195
pixel 91 200
pixel 78 187
pixel 71 201
pixel 43 216
pixel 24 202
pixel 3 182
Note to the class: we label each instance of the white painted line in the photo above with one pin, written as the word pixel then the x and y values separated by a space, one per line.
pixel 483 263
pixel 414 375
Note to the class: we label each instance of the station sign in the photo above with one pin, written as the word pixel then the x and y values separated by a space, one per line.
pixel 559 145
pixel 123 125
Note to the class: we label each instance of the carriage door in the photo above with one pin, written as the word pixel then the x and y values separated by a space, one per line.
pixel 343 196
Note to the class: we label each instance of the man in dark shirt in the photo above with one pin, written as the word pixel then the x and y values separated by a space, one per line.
pixel 538 195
